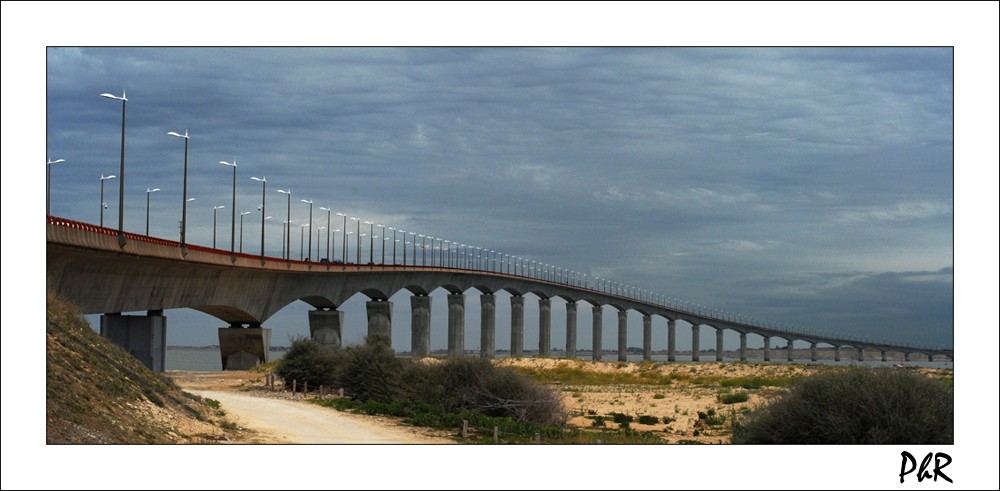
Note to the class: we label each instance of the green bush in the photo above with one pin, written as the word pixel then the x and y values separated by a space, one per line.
pixel 646 419
pixel 371 371
pixel 734 397
pixel 855 406
pixel 621 418
pixel 308 362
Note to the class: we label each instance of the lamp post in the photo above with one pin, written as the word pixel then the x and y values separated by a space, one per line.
pixel 310 203
pixel 423 250
pixel 148 192
pixel 215 213
pixel 184 198
pixel 383 244
pixel 346 244
pixel 328 230
pixel 358 261
pixel 343 249
pixel 263 211
pixel 180 224
pixel 404 246
pixel 360 236
pixel 318 241
pixel 121 172
pixel 393 245
pixel 103 204
pixel 48 183
pixel 232 235
pixel 242 214
pixel 302 231
pixel 288 219
pixel 371 241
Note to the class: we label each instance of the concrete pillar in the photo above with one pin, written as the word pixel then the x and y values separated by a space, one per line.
pixel 695 339
pixel 544 327
pixel 243 348
pixel 884 356
pixel 598 350
pixel 143 336
pixel 622 334
pixel 836 353
pixel 743 346
pixel 647 338
pixel 456 324
pixel 930 357
pixel 325 326
pixel 516 325
pixel 487 325
pixel 861 354
pixel 420 326
pixel 906 356
pixel 718 344
pixel 671 340
pixel 791 346
pixel 379 318
pixel 812 351
pixel 767 348
pixel 570 329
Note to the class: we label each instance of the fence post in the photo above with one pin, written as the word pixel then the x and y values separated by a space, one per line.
pixel 321 391
pixel 293 387
pixel 465 428
pixel 305 388
pixel 538 437
pixel 341 392
pixel 496 434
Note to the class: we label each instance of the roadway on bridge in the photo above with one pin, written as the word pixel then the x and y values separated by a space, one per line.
pixel 288 421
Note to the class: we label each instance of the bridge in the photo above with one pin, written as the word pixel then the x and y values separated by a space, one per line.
pixel 104 271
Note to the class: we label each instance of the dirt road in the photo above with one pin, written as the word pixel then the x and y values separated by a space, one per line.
pixel 284 421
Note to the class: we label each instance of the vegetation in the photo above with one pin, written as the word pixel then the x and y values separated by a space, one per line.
pixel 568 374
pixel 855 406
pixel 734 397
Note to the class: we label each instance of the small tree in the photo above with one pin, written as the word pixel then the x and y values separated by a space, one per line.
pixel 308 362
pixel 371 371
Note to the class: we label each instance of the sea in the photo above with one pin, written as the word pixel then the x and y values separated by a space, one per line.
pixel 207 359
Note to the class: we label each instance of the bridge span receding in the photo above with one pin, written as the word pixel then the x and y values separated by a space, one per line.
pixel 87 265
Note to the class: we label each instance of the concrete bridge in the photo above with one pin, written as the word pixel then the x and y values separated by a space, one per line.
pixel 103 273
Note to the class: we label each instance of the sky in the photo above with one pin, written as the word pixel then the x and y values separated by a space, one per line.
pixel 810 186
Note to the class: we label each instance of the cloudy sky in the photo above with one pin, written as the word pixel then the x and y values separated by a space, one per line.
pixel 815 187
pixel 807 186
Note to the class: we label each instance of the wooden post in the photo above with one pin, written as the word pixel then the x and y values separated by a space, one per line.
pixel 538 437
pixel 293 386
pixel 496 434
pixel 321 391
pixel 341 392
pixel 465 428
pixel 305 388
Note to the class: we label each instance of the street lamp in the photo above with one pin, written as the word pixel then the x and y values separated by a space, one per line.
pixel 263 211
pixel 359 239
pixel 103 204
pixel 346 244
pixel 343 250
pixel 215 213
pixel 383 244
pixel 242 214
pixel 423 250
pixel 184 199
pixel 48 183
pixel 393 245
pixel 302 231
pixel 404 246
pixel 310 203
pixel 371 243
pixel 318 241
pixel 328 230
pixel 148 192
pixel 121 172
pixel 288 232
pixel 232 235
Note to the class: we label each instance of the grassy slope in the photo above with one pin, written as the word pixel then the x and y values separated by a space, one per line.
pixel 98 393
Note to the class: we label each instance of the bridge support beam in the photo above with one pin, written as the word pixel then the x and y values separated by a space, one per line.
pixel 791 346
pixel 930 357
pixel 812 351
pixel 718 344
pixel 570 329
pixel 456 324
pixel 143 336
pixel 325 326
pixel 243 348
pixel 420 326
pixel 516 326
pixel 598 350
pixel 695 341
pixel 622 334
pixel 487 325
pixel 379 318
pixel 743 346
pixel 544 327
pixel 861 354
pixel 647 338
pixel 836 353
pixel 906 356
pixel 767 348
pixel 671 340
pixel 885 357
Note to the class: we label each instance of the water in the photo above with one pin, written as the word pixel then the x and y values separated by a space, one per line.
pixel 208 360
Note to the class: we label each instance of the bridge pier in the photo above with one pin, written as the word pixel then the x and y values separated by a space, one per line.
pixel 325 326
pixel 598 350
pixel 143 336
pixel 487 325
pixel 836 353
pixel 647 338
pixel 885 358
pixel 906 356
pixel 380 318
pixel 516 326
pixel 930 357
pixel 570 329
pixel 767 348
pixel 812 351
pixel 243 348
pixel 671 340
pixel 544 326
pixel 420 326
pixel 718 344
pixel 622 335
pixel 791 346
pixel 695 341
pixel 456 324
pixel 743 346
pixel 861 354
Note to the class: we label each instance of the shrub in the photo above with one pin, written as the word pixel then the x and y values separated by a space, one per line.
pixel 310 362
pixel 734 397
pixel 371 371
pixel 646 419
pixel 620 418
pixel 659 396
pixel 855 406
